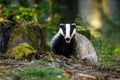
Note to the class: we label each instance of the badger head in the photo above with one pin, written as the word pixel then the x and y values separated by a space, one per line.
pixel 67 31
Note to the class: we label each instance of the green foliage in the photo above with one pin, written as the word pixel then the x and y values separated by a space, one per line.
pixel 18 12
pixel 26 13
pixel 83 31
pixel 117 49
pixel 108 54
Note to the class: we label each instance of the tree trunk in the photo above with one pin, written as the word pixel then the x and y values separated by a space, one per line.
pixel 67 8
pixel 5 30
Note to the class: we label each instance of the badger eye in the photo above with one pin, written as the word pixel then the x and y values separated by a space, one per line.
pixel 62 29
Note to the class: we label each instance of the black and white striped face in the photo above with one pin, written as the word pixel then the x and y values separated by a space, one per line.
pixel 68 31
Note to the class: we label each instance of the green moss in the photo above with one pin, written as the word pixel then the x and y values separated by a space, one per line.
pixel 17 33
pixel 83 31
pixel 32 36
pixel 22 49
pixel 36 36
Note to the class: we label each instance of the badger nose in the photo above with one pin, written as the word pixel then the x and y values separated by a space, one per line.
pixel 67 39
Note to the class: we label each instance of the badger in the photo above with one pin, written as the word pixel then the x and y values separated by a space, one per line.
pixel 69 43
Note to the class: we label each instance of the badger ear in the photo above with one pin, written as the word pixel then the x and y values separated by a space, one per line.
pixel 61 24
pixel 73 24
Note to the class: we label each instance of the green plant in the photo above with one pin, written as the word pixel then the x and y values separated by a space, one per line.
pixel 42 74
pixel 108 54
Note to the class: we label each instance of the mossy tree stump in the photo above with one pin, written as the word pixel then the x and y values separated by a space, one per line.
pixel 26 39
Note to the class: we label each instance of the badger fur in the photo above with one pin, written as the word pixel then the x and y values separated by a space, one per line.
pixel 69 43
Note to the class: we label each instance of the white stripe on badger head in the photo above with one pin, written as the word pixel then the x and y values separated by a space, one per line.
pixel 67 31
pixel 61 32
pixel 73 33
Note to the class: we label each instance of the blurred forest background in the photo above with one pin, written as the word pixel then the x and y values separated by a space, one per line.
pixel 26 29
pixel 101 17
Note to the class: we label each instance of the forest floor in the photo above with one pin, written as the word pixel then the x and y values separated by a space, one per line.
pixel 53 67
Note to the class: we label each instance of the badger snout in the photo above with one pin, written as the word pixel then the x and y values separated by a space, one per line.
pixel 67 39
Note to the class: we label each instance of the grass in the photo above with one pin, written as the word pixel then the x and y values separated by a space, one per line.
pixel 108 53
pixel 39 74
